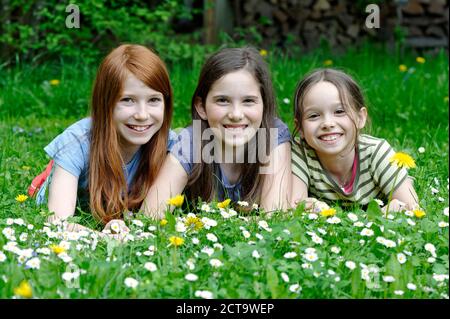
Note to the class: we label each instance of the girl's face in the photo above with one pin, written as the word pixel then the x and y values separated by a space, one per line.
pixel 233 108
pixel 138 115
pixel 326 126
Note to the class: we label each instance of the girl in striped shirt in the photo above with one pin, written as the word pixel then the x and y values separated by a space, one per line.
pixel 331 160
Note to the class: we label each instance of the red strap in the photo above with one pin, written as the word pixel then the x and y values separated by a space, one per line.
pixel 40 179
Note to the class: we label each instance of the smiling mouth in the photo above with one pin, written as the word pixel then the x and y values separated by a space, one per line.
pixel 138 128
pixel 235 127
pixel 330 137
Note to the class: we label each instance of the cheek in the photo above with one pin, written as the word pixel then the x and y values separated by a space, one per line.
pixel 214 115
pixel 255 114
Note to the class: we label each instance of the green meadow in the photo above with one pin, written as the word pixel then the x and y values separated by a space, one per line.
pixel 224 254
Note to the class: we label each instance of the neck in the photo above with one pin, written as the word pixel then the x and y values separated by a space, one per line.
pixel 128 153
pixel 339 166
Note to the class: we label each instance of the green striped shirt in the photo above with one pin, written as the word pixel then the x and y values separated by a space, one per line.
pixel 375 176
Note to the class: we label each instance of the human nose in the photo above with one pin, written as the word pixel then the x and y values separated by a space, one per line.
pixel 328 122
pixel 236 113
pixel 140 112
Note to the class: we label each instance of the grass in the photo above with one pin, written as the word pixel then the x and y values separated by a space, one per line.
pixel 409 109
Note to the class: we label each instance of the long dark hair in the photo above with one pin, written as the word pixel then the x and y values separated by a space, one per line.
pixel 203 181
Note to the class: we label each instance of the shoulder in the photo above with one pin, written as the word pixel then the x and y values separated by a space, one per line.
pixel 369 144
pixel 70 149
pixel 283 131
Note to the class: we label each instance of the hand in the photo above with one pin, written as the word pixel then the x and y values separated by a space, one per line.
pixel 116 229
pixel 313 205
pixel 395 206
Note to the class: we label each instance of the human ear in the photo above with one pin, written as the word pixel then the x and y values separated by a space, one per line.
pixel 200 108
pixel 362 117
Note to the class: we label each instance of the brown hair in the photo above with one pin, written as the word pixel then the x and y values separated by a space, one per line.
pixel 203 182
pixel 350 94
pixel 109 197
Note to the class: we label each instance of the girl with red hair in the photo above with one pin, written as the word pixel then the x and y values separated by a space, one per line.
pixel 110 160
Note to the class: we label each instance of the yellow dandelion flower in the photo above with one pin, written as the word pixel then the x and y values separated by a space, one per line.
pixel 328 62
pixel 21 198
pixel 224 204
pixel 420 60
pixel 446 99
pixel 176 241
pixel 176 201
pixel 24 290
pixel 419 213
pixel 54 82
pixel 163 222
pixel 57 249
pixel 193 222
pixel 403 68
pixel 328 212
pixel 400 159
pixel 263 52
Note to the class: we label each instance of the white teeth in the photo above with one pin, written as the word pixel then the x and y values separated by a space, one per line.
pixel 235 127
pixel 139 128
pixel 329 137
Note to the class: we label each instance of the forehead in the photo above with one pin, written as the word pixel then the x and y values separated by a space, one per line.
pixel 132 85
pixel 323 92
pixel 239 82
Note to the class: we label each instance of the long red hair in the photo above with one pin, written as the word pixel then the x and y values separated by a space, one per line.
pixel 109 196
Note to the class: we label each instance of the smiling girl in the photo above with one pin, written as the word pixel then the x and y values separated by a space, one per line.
pixel 219 156
pixel 109 160
pixel 331 160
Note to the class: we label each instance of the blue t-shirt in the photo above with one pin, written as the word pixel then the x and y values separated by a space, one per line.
pixel 184 151
pixel 70 150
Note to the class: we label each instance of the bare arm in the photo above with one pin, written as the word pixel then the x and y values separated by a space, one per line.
pixel 404 197
pixel 62 197
pixel 277 183
pixel 299 191
pixel 171 181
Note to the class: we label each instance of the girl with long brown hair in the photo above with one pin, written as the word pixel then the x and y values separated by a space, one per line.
pixel 219 156
pixel 110 160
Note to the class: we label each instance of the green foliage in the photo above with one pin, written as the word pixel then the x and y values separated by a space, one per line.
pixel 36 30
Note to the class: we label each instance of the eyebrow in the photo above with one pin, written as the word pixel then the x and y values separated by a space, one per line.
pixel 307 108
pixel 227 96
pixel 159 94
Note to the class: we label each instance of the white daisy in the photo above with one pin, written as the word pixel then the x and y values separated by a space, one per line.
pixel 401 258
pixel 131 282
pixel 191 277
pixel 255 254
pixel 285 277
pixel 205 294
pixel 150 266
pixel 211 237
pixel 295 288
pixel 290 255
pixel 353 217
pixel 388 279
pixel 216 263
pixel 350 264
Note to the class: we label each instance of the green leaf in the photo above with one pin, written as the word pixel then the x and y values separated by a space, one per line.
pixel 272 280
pixel 170 221
pixel 373 210
pixel 356 282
